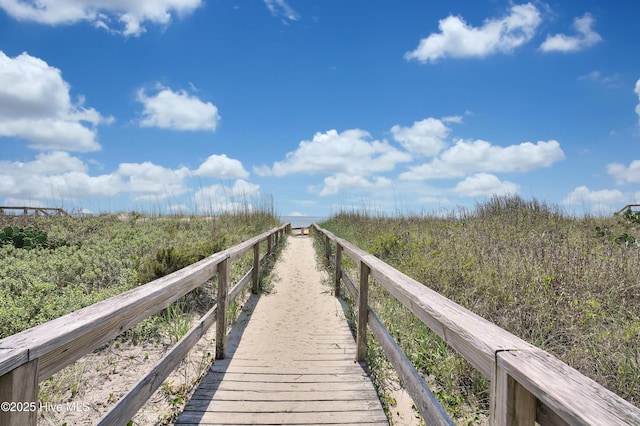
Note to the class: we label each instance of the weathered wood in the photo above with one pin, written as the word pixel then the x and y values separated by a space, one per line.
pixel 475 338
pixel 337 270
pixel 363 312
pixel 577 399
pixel 223 305
pixel 286 418
pixel 425 401
pixel 256 269
pixel 511 403
pixel 47 211
pixel 269 244
pixel 60 342
pixel 129 404
pixel 564 396
pixel 19 388
pixel 327 247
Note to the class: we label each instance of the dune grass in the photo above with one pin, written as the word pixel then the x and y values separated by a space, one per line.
pixel 568 285
pixel 88 259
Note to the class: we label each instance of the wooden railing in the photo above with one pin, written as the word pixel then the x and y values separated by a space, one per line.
pixel 31 356
pixel 528 385
pixel 44 211
pixel 627 207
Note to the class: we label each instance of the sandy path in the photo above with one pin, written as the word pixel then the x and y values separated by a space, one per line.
pixel 295 360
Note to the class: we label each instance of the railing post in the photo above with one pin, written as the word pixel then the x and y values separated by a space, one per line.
pixel 363 313
pixel 223 304
pixel 327 247
pixel 20 386
pixel 338 270
pixel 511 403
pixel 256 268
pixel 269 243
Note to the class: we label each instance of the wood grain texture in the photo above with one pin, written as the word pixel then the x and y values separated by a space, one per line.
pixel 575 398
pixel 292 363
pixel 527 383
pixel 62 341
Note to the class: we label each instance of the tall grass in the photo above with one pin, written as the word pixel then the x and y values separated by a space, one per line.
pixel 96 257
pixel 566 284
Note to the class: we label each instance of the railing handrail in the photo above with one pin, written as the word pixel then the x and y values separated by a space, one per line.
pixel 625 208
pixel 43 210
pixel 54 345
pixel 527 383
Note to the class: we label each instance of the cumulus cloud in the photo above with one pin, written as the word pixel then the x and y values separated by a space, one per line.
pixel 129 15
pixel 53 175
pixel 480 156
pixel 563 43
pixel 350 152
pixel 222 167
pixel 35 105
pixel 605 200
pixel 349 158
pixel 625 174
pixel 222 199
pixel 484 184
pixel 457 39
pixel 426 137
pixel 338 182
pixel 151 182
pixel 167 109
pixel 281 8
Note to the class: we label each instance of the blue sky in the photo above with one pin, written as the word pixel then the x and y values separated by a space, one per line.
pixel 199 106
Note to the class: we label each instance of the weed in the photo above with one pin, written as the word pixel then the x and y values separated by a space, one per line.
pixel 524 265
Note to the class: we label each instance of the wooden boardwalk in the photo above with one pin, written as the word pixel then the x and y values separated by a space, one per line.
pixel 293 362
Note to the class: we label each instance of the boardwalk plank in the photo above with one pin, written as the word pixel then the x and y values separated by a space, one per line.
pixel 276 374
pixel 283 418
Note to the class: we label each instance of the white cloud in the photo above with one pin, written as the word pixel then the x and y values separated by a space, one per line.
pixel 484 184
pixel 605 200
pixel 222 167
pixel 167 109
pixel 563 43
pixel 349 152
pixel 54 175
pixel 35 105
pixel 220 198
pixel 624 174
pixel 340 181
pixel 459 40
pixel 426 137
pixel 480 156
pixel 130 15
pixel 611 80
pixel 148 181
pixel 280 7
pixel 637 90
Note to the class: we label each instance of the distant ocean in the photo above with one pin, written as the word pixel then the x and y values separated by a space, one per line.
pixel 300 221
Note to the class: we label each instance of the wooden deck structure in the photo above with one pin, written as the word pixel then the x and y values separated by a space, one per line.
pixel 322 383
pixel 299 378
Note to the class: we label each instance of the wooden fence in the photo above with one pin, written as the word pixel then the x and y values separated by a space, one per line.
pixel 528 385
pixel 38 211
pixel 31 356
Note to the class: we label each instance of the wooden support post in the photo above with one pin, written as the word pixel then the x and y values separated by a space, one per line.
pixel 338 272
pixel 363 313
pixel 327 247
pixel 223 305
pixel 269 243
pixel 511 403
pixel 20 387
pixel 256 268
